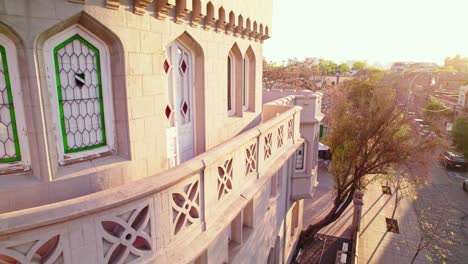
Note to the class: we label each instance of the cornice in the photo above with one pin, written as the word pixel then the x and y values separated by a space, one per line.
pixel 198 14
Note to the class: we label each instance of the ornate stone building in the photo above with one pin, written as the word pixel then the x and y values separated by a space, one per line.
pixel 133 131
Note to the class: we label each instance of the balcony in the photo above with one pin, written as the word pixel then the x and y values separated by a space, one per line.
pixel 304 180
pixel 157 217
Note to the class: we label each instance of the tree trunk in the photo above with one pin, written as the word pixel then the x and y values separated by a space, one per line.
pixel 339 207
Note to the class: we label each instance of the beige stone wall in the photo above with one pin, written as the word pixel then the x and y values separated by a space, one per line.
pixel 181 213
pixel 137 44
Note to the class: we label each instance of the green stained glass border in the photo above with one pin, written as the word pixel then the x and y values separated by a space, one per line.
pixel 12 109
pixel 59 94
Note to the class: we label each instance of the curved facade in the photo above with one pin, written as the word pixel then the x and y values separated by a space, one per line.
pixel 134 131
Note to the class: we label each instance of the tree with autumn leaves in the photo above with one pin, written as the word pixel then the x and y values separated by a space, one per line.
pixel 370 135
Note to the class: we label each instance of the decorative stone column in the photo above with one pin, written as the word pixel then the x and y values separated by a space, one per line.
pixel 357 213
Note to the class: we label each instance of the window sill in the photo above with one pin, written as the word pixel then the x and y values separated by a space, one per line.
pixel 70 161
pixel 238 116
pixel 85 155
pixel 248 111
pixel 90 165
pixel 14 168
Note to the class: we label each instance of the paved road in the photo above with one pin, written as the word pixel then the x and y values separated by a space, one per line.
pixel 444 200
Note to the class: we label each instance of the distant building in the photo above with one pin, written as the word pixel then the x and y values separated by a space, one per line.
pixel 462 104
pixel 413 66
pixel 311 61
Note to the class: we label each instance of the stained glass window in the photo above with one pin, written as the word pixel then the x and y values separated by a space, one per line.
pixel 9 145
pixel 79 90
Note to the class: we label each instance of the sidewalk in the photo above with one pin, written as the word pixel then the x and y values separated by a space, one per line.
pixel 321 203
pixel 376 245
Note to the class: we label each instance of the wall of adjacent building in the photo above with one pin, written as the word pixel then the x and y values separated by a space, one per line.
pixel 276 228
pixel 311 116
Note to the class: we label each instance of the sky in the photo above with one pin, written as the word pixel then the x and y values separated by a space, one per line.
pixel 377 31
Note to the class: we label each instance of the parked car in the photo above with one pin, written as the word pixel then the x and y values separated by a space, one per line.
pixel 465 185
pixel 454 161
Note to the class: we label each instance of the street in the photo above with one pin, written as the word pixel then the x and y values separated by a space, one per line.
pixel 443 201
pixel 446 201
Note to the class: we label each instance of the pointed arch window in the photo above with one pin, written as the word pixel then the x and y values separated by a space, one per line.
pixel 248 88
pixel 13 141
pixel 234 82
pixel 81 96
pixel 245 86
pixel 231 84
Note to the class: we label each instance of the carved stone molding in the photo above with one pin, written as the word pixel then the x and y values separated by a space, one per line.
pixel 225 178
pixel 112 4
pixel 126 235
pixel 186 206
pixel 267 147
pixel 196 14
pixel 162 9
pixel 246 33
pixel 229 29
pixel 264 37
pixel 196 18
pixel 251 159
pixel 209 22
pixel 252 35
pixel 181 14
pixel 280 136
pixel 140 6
pixel 220 25
pixel 238 31
pixel 49 248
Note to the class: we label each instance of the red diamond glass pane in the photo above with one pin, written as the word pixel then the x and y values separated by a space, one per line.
pixel 185 107
pixel 168 111
pixel 183 66
pixel 166 66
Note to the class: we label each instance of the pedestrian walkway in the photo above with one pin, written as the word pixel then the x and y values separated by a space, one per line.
pixel 376 245
pixel 321 203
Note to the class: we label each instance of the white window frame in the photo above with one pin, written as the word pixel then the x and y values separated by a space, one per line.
pixel 246 84
pixel 232 82
pixel 49 46
pixel 304 155
pixel 16 91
